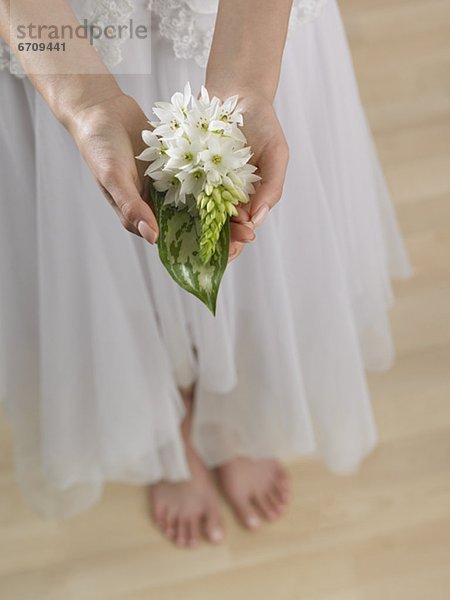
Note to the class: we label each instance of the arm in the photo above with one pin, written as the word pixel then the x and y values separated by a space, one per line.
pixel 105 123
pixel 245 59
pixel 248 46
pixel 68 81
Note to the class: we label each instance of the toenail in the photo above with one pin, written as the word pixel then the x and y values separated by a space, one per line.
pixel 253 522
pixel 216 535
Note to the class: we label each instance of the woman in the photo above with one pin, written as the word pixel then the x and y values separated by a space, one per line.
pixel 111 372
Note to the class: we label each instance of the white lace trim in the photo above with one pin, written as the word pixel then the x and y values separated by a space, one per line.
pixel 100 13
pixel 9 61
pixel 189 24
pixel 305 11
pixel 189 30
pixel 110 13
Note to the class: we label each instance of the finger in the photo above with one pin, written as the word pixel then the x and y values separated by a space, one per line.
pixel 272 167
pixel 243 215
pixel 242 233
pixel 235 250
pixel 135 214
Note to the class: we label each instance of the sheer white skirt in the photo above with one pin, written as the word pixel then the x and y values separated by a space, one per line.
pixel 95 339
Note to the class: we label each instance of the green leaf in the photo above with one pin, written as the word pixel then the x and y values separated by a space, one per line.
pixel 179 251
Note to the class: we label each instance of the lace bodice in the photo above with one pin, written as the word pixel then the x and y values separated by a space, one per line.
pixel 187 24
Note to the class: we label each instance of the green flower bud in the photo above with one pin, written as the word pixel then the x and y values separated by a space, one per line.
pixel 227 196
pixel 234 192
pixel 214 207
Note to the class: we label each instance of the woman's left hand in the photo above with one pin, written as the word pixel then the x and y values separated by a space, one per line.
pixel 271 155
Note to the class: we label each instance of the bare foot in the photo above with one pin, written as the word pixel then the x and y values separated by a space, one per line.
pixel 185 511
pixel 256 489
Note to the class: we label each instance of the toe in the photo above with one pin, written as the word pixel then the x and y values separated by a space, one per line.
pixel 159 516
pixel 247 514
pixel 276 500
pixel 182 535
pixel 282 485
pixel 171 526
pixel 282 477
pixel 194 532
pixel 264 506
pixel 213 527
pixel 282 491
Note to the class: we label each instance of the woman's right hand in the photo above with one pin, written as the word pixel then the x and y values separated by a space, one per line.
pixel 108 135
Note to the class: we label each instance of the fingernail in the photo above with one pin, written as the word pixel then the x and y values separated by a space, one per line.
pixel 253 522
pixel 216 535
pixel 260 216
pixel 252 239
pixel 147 232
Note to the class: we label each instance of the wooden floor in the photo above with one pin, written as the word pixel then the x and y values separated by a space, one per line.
pixel 382 535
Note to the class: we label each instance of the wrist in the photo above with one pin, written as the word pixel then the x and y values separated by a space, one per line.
pixel 69 95
pixel 224 89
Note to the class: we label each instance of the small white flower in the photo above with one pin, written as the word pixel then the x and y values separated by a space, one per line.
pixel 206 103
pixel 221 155
pixel 172 114
pixel 192 182
pixel 156 152
pixel 181 101
pixel 227 112
pixel 213 179
pixel 208 116
pixel 166 181
pixel 183 154
pixel 244 178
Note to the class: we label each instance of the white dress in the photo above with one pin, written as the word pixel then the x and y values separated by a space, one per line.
pixel 95 338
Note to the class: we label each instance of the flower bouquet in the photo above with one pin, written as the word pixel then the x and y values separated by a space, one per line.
pixel 200 172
